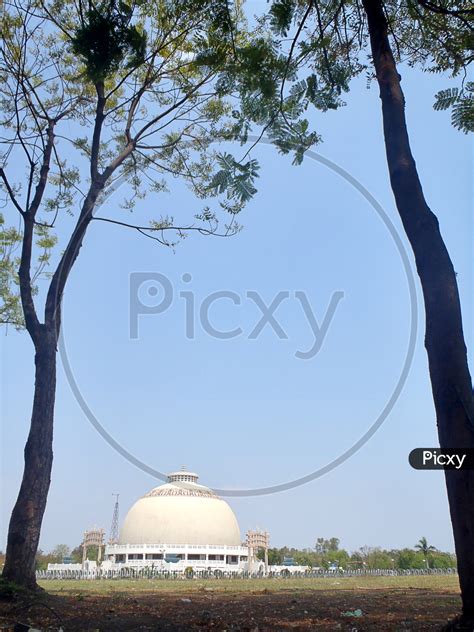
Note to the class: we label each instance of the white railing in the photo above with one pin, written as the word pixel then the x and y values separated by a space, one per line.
pixel 224 547
pixel 158 573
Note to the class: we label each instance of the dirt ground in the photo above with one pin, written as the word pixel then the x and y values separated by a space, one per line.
pixel 351 608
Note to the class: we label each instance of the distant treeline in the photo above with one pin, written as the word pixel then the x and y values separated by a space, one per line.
pixel 327 554
pixel 57 555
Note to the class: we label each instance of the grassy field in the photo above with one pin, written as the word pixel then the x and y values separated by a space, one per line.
pixel 103 587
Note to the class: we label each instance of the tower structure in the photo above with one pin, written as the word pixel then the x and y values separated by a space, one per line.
pixel 256 540
pixel 114 528
pixel 93 537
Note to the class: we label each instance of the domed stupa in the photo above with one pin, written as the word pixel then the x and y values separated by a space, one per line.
pixel 181 512
pixel 178 525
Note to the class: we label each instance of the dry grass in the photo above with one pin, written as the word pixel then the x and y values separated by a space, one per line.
pixel 443 583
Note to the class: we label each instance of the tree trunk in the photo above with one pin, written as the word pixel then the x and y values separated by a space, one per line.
pixel 444 338
pixel 27 515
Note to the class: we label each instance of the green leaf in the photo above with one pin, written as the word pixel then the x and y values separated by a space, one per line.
pixel 445 99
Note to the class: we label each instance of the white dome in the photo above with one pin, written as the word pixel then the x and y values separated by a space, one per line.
pixel 181 512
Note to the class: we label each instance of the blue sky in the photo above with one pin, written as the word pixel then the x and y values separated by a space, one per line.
pixel 248 413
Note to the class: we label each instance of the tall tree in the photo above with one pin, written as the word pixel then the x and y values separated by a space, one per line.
pixel 423 546
pixel 94 94
pixel 325 546
pixel 332 39
pixel 60 551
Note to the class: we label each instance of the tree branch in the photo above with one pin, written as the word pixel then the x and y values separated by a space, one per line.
pixel 10 192
pixel 443 11
pixel 43 178
pixel 24 273
pixel 180 102
pixel 99 119
pixel 61 274
pixel 154 229
pixel 32 323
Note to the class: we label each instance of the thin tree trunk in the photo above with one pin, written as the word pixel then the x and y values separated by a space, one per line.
pixel 27 515
pixel 444 338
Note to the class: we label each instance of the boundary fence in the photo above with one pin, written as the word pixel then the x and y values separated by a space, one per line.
pixel 154 573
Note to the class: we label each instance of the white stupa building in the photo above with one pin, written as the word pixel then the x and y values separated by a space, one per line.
pixel 177 526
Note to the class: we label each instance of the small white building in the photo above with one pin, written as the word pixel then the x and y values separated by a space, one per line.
pixel 178 526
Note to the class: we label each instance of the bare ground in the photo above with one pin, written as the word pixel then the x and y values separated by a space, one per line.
pixel 263 607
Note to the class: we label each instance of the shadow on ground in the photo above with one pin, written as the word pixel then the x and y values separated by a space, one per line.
pixel 347 610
